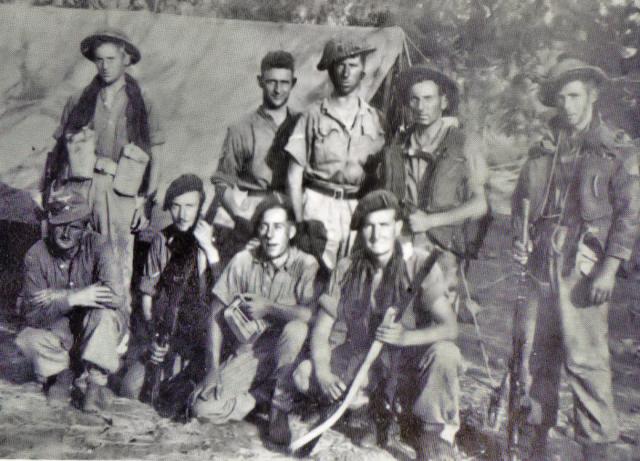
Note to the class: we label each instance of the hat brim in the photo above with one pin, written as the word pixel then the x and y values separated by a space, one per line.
pixel 324 65
pixel 79 214
pixel 549 88
pixel 448 86
pixel 88 45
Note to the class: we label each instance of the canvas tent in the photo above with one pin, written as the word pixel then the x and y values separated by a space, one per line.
pixel 201 72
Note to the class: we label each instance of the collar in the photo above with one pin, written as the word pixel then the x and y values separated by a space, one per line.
pixel 364 109
pixel 259 258
pixel 413 149
pixel 108 92
pixel 263 114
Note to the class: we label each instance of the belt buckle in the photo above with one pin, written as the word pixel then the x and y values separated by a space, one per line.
pixel 338 194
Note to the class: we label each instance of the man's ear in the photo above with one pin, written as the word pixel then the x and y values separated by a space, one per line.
pixel 444 102
pixel 294 80
pixel 127 58
pixel 292 230
pixel 594 93
pixel 260 81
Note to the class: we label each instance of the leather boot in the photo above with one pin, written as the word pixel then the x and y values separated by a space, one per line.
pixel 431 447
pixel 279 430
pixel 58 388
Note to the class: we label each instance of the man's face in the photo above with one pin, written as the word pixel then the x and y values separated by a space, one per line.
pixel 275 232
pixel 426 103
pixel 346 75
pixel 111 62
pixel 184 210
pixel 576 99
pixel 276 87
pixel 379 232
pixel 67 236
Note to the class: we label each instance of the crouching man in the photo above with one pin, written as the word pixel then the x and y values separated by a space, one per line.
pixel 276 284
pixel 418 370
pixel 74 307
pixel 185 248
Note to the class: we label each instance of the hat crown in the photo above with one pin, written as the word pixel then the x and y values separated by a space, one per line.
pixel 66 207
pixel 340 48
pixel 567 65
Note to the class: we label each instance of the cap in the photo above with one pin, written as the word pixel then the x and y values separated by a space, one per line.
pixel 374 201
pixel 337 49
pixel 67 207
pixel 181 185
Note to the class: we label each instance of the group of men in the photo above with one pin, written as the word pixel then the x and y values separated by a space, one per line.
pixel 334 222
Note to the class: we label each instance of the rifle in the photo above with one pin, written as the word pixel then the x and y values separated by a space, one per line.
pixel 172 287
pixel 519 406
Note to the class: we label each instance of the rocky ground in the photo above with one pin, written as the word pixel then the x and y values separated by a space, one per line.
pixel 29 428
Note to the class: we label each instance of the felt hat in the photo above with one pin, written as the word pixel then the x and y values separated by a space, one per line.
pixel 89 44
pixel 565 71
pixel 340 48
pixel 67 207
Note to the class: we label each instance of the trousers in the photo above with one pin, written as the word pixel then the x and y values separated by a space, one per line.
pixel 99 342
pixel 249 374
pixel 430 382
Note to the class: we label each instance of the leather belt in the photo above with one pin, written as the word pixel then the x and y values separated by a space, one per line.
pixel 105 165
pixel 336 193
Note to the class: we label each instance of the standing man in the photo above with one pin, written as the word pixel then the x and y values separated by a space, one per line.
pixel 184 199
pixel 114 118
pixel 276 283
pixel 419 354
pixel 332 147
pixel 440 184
pixel 253 162
pixel 585 201
pixel 74 306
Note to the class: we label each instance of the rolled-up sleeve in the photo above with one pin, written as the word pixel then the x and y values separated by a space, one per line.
pixel 306 287
pixel 301 139
pixel 154 265
pixel 231 159
pixel 231 280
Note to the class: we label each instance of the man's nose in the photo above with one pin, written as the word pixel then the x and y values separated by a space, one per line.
pixel 270 232
pixel 66 231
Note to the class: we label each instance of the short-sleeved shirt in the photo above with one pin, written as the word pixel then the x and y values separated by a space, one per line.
pixel 157 258
pixel 250 272
pixel 110 121
pixel 332 153
pixel 94 262
pixel 431 288
pixel 252 155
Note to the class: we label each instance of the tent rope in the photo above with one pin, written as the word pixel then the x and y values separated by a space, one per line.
pixel 412 43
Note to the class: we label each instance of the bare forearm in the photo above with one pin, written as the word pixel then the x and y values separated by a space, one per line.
pixel 610 265
pixel 430 335
pixel 320 350
pixel 475 208
pixel 289 313
pixel 294 188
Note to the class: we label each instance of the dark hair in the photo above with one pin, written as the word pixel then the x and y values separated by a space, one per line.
pixel 446 86
pixel 270 202
pixel 279 59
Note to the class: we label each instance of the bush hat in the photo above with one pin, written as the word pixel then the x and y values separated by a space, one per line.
pixel 340 48
pixel 565 71
pixel 89 44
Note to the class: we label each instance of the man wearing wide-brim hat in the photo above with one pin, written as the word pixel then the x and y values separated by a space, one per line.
pixel 330 149
pixel 105 144
pixel 585 202
pixel 74 307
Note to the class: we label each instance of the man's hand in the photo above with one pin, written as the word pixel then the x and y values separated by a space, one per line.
pixel 330 385
pixel 419 221
pixel 520 254
pixel 45 297
pixel 211 385
pixel 96 295
pixel 393 333
pixel 257 306
pixel 602 286
pixel 158 353
pixel 139 221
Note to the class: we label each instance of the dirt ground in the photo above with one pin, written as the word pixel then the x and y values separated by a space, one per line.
pixel 29 428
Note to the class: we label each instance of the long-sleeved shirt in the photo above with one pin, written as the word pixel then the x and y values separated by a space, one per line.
pixel 94 262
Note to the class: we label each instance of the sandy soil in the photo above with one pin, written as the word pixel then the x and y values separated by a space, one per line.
pixel 30 428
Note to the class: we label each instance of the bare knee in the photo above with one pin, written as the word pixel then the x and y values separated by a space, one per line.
pixel 295 332
pixel 132 381
pixel 302 376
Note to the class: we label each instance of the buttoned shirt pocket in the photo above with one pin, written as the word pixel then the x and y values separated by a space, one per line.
pixel 595 202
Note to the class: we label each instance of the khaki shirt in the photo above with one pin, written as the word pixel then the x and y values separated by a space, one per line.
pixel 331 152
pixel 252 156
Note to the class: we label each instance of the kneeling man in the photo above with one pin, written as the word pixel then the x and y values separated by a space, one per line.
pixel 419 366
pixel 276 284
pixel 74 306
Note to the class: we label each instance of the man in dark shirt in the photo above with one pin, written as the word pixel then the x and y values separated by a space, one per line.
pixel 74 306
